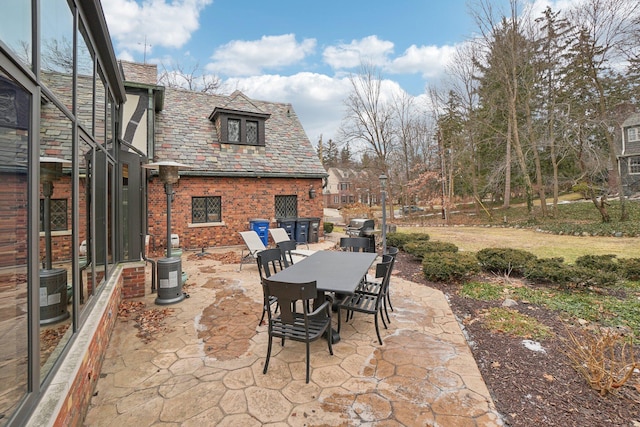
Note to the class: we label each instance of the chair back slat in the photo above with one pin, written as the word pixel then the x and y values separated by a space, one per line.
pixel 289 293
pixel 355 244
pixel 269 262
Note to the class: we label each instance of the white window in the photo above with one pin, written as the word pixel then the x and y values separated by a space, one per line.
pixel 633 134
pixel 634 165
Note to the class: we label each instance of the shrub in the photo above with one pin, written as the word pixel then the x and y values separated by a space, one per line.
pixel 399 239
pixel 328 227
pixel 630 268
pixel 549 270
pixel 421 247
pixel 598 262
pixel 584 276
pixel 449 266
pixel 504 260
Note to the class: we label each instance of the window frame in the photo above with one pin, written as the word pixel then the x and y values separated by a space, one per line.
pixel 207 219
pixel 280 206
pixel 634 165
pixel 222 116
pixel 636 132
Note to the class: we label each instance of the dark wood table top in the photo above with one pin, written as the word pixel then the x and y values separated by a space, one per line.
pixel 333 271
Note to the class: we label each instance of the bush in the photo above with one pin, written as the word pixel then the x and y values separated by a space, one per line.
pixel 504 260
pixel 549 270
pixel 598 262
pixel 328 227
pixel 449 266
pixel 630 268
pixel 586 277
pixel 421 247
pixel 400 239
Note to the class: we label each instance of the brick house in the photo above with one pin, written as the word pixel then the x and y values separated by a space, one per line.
pixel 629 157
pixel 345 186
pixel 247 159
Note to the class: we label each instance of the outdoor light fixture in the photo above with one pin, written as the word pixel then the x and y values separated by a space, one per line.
pixel 169 269
pixel 312 193
pixel 53 281
pixel 383 188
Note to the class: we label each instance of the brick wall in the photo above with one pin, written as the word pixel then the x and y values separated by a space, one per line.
pixel 242 199
pixel 134 281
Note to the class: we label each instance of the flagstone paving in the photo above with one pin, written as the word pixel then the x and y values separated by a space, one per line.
pixel 206 368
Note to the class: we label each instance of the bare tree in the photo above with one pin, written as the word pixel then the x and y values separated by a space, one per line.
pixel 192 77
pixel 608 30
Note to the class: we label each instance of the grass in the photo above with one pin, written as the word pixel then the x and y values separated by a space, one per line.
pixel 515 323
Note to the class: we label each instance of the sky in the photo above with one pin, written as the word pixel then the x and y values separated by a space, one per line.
pixel 296 51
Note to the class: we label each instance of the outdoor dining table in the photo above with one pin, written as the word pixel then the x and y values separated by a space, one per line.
pixel 334 271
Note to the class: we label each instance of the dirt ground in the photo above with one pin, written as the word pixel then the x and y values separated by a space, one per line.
pixel 532 388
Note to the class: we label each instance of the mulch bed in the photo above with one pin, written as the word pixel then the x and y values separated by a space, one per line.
pixel 532 388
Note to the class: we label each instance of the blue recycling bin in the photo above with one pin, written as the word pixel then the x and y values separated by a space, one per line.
pixel 289 224
pixel 302 230
pixel 260 226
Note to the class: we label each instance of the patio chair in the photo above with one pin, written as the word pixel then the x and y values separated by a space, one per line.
pixel 355 244
pixel 269 262
pixel 364 301
pixel 280 235
pixel 304 327
pixel 254 245
pixel 287 247
pixel 371 284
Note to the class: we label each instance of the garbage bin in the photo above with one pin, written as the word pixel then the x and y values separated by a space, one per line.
pixel 302 230
pixel 314 227
pixel 260 226
pixel 289 224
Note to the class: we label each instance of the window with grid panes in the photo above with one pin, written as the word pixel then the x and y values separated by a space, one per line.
pixel 634 165
pixel 206 209
pixel 633 134
pixel 252 132
pixel 233 128
pixel 58 215
pixel 286 206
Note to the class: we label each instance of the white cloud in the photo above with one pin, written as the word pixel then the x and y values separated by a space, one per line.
pixel 369 49
pixel 154 23
pixel 317 99
pixel 429 61
pixel 244 58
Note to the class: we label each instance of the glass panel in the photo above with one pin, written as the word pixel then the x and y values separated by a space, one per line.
pixel 14 143
pixel 124 215
pixel 213 209
pixel 55 247
pixel 99 200
pixel 85 92
pixel 15 28
pixel 234 130
pixel 85 252
pixel 56 49
pixel 110 212
pixel 101 105
pixel 252 132
pixel 198 209
pixel 286 206
pixel 109 125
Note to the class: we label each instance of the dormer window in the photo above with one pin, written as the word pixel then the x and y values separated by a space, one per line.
pixel 238 127
pixel 633 134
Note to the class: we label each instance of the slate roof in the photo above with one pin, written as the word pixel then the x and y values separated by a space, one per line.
pixel 185 134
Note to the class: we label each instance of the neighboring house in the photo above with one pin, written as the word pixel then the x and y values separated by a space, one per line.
pixel 629 158
pixel 247 159
pixel 346 186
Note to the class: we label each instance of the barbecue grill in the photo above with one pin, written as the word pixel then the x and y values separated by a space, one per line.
pixel 362 227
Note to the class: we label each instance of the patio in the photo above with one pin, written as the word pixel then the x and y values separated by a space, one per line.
pixel 205 366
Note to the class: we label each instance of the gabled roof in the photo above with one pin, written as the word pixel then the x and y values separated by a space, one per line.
pixel 185 134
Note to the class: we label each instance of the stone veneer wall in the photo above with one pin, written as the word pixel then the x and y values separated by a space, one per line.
pixel 66 401
pixel 243 199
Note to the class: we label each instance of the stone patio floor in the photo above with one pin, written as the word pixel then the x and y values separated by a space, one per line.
pixel 205 368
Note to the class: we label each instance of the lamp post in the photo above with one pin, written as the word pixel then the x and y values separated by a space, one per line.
pixel 169 268
pixel 383 191
pixel 53 281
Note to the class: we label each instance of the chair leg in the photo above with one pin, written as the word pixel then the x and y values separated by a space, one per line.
pixel 389 300
pixel 266 362
pixel 264 311
pixel 308 358
pixel 339 320
pixel 377 328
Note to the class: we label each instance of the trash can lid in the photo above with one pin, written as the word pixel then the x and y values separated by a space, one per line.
pixel 258 220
